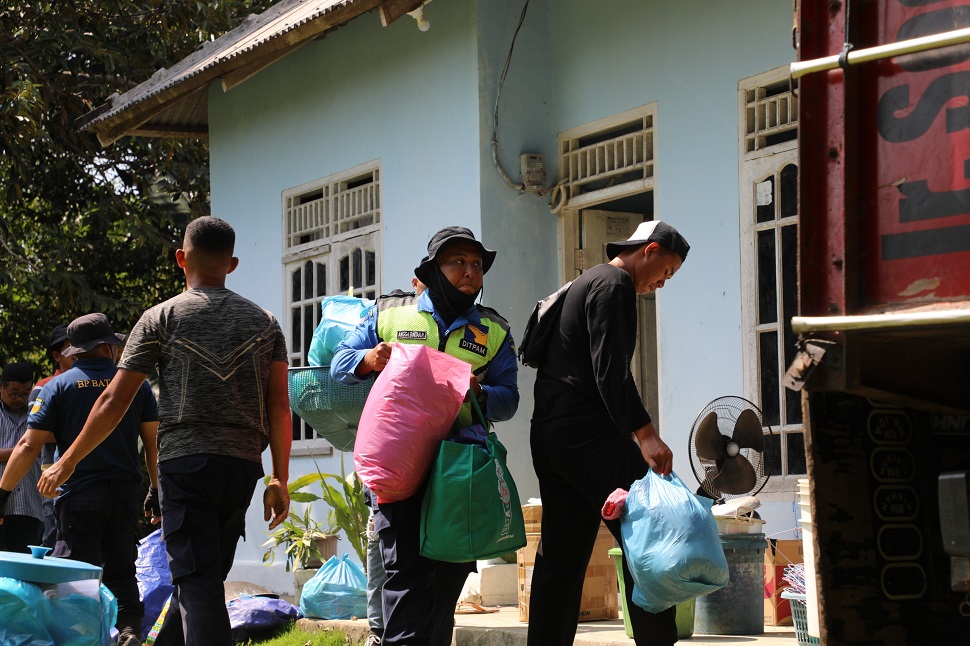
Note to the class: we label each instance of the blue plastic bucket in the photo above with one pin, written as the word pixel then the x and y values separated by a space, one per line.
pixel 737 609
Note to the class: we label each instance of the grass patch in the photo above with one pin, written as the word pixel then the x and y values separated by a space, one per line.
pixel 293 636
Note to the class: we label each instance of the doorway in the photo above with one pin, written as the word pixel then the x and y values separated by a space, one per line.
pixel 584 234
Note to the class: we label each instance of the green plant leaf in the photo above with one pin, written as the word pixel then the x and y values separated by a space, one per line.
pixel 301 496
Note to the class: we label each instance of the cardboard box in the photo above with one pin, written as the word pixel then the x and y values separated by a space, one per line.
pixel 779 554
pixel 600 587
pixel 532 514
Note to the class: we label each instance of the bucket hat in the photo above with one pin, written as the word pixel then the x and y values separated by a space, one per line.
pixel 445 237
pixel 88 332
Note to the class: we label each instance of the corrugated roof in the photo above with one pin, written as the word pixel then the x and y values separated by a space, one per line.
pixel 173 101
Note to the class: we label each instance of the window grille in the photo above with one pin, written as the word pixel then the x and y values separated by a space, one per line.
pixel 770 116
pixel 332 239
pixel 609 158
pixel 332 209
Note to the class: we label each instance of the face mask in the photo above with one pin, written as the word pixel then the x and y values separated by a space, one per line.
pixel 448 300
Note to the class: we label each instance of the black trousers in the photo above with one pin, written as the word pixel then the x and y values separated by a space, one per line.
pixel 99 525
pixel 419 594
pixel 579 464
pixel 204 499
pixel 17 532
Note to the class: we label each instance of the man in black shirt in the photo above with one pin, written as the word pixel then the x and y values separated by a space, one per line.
pixel 591 433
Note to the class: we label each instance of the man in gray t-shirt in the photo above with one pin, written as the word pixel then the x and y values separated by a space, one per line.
pixel 221 364
pixel 213 349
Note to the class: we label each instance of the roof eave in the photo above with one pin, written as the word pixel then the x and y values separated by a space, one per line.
pixel 140 116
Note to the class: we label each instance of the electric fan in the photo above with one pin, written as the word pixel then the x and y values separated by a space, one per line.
pixel 727 448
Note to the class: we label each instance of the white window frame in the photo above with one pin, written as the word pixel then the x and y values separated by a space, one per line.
pixel 609 158
pixel 760 118
pixel 346 216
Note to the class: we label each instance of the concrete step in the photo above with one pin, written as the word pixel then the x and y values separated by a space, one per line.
pixel 503 628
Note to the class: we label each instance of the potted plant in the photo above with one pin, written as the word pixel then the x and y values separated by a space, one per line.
pixel 348 513
pixel 306 542
pixel 348 509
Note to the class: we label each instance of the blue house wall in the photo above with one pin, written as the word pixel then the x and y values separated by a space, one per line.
pixel 422 103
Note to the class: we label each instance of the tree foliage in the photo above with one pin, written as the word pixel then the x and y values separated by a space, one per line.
pixel 85 228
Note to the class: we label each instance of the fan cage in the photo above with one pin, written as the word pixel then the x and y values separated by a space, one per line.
pixel 728 409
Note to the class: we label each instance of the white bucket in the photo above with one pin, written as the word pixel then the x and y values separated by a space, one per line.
pixel 738 525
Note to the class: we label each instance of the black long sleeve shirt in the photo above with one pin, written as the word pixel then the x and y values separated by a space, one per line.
pixel 586 376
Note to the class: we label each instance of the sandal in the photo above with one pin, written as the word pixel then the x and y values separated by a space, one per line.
pixel 469 608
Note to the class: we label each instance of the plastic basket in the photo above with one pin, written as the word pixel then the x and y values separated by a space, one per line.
pixel 799 615
pixel 331 408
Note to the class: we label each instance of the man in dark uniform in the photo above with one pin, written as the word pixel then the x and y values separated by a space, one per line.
pixel 97 510
pixel 590 432
pixel 58 342
pixel 419 595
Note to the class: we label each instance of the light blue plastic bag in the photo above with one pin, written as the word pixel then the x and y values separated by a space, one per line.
pixel 339 315
pixel 20 619
pixel 64 614
pixel 75 618
pixel 670 543
pixel 337 591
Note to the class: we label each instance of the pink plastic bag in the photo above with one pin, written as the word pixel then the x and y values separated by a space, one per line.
pixel 408 413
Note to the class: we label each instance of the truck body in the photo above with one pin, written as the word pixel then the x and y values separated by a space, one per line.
pixel 884 317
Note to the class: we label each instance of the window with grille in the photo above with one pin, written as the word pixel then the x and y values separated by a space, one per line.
pixel 609 158
pixel 332 239
pixel 769 116
pixel 769 263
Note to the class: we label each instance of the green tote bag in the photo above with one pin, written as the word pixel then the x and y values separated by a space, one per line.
pixel 471 507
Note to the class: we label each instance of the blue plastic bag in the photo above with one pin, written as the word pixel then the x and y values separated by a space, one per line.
pixel 337 591
pixel 154 577
pixel 670 543
pixel 67 614
pixel 339 316
pixel 75 617
pixel 21 621
pixel 251 618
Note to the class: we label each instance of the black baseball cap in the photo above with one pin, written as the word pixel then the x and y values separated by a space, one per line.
pixel 58 336
pixel 88 332
pixel 654 231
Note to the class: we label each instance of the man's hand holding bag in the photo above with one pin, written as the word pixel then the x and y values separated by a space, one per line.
pixel 409 411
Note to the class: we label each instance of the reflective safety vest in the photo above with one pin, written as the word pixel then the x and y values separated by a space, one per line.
pixel 400 321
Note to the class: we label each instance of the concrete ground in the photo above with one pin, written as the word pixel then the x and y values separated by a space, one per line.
pixel 503 628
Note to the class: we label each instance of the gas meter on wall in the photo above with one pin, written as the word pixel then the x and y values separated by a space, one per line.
pixel 533 168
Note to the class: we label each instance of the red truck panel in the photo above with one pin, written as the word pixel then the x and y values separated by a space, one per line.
pixel 885 162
